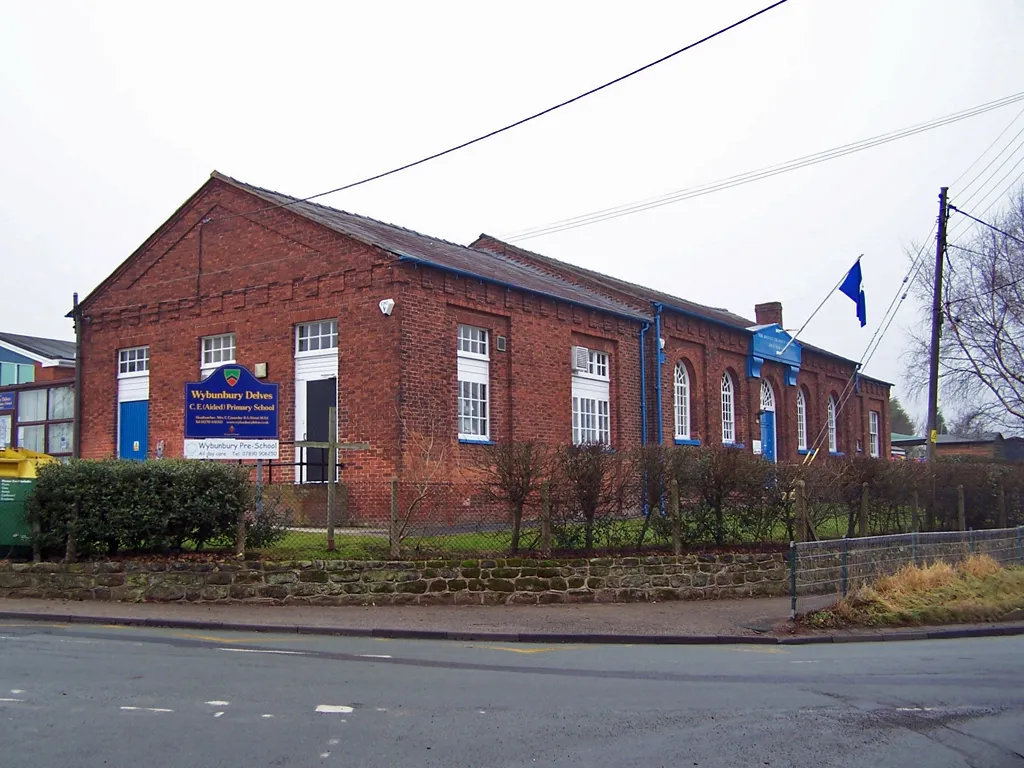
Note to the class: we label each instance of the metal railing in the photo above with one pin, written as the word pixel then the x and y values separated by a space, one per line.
pixel 837 566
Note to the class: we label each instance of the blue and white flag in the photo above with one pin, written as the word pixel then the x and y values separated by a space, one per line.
pixel 853 286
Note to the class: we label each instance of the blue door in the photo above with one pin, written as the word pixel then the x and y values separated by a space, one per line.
pixel 768 435
pixel 134 430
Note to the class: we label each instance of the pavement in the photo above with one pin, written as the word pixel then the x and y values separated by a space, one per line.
pixel 762 620
pixel 111 696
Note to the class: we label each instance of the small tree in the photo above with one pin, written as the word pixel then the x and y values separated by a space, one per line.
pixel 513 473
pixel 590 479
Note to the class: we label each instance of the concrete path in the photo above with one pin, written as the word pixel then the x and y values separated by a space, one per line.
pixel 106 697
pixel 693 618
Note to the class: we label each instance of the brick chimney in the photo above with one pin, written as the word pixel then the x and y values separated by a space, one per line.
pixel 769 313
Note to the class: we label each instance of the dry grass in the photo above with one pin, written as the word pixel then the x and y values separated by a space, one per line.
pixel 978 589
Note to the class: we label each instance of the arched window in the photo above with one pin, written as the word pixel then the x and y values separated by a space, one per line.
pixel 767 396
pixel 801 421
pixel 728 409
pixel 833 442
pixel 682 402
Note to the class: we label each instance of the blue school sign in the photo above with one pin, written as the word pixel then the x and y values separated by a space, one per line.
pixel 6 401
pixel 769 342
pixel 231 403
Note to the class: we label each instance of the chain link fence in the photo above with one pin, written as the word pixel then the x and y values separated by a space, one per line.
pixel 836 566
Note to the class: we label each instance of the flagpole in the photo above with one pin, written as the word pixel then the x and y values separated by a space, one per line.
pixel 827 297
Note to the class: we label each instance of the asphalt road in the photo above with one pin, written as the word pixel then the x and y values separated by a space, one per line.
pixel 112 696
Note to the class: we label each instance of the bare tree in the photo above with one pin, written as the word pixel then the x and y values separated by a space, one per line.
pixel 513 473
pixel 423 484
pixel 981 356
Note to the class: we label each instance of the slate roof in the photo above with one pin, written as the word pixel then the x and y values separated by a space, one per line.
pixel 51 349
pixel 415 247
pixel 647 295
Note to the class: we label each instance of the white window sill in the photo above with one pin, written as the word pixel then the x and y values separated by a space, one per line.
pixel 133 375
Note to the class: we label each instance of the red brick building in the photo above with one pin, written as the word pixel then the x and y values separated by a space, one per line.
pixel 417 339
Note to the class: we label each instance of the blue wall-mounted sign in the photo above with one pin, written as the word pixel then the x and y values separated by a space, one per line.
pixel 769 343
pixel 6 401
pixel 232 403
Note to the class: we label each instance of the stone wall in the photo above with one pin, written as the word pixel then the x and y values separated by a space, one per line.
pixel 430 582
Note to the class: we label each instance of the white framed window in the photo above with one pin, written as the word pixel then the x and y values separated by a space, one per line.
pixel 17 373
pixel 133 362
pixel 474 383
pixel 32 437
pixel 473 342
pixel 316 337
pixel 728 409
pixel 873 418
pixel 590 421
pixel 801 421
pixel 833 440
pixel 682 402
pixel 591 363
pixel 218 350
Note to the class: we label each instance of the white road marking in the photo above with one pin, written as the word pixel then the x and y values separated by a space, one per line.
pixel 263 650
pixel 218 714
pixel 916 709
pixel 16 691
pixel 11 700
pixel 266 716
pixel 333 709
pixel 145 709
pixel 805 662
pixel 325 754
pixel 381 709
pixel 482 712
pixel 333 742
pixel 218 703
pixel 374 656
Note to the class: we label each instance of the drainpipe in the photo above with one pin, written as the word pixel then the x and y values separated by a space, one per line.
pixel 76 425
pixel 661 361
pixel 643 403
pixel 643 384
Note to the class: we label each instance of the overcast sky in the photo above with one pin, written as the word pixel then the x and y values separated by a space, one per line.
pixel 114 113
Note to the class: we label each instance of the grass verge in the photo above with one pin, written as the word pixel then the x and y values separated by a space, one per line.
pixel 976 590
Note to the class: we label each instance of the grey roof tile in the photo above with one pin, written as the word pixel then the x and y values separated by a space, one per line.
pixel 52 349
pixel 441 254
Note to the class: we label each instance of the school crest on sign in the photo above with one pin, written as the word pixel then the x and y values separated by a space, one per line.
pixel 232 375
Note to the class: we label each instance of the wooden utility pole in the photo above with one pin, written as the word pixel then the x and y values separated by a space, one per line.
pixel 933 364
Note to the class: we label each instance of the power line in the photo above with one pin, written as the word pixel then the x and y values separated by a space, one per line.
pixel 756 175
pixel 985 152
pixel 993 227
pixel 517 123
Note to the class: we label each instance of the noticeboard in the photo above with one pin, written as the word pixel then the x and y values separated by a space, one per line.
pixel 231 415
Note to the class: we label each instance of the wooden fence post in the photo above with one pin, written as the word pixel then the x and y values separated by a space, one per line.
pixel 332 473
pixel 394 532
pixel 1002 506
pixel 71 550
pixel 961 509
pixel 676 515
pixel 545 519
pixel 915 513
pixel 802 533
pixel 863 522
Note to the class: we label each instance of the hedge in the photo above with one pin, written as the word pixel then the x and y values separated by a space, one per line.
pixel 112 506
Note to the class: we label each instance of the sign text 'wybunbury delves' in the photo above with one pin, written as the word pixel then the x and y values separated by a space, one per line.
pixel 231 403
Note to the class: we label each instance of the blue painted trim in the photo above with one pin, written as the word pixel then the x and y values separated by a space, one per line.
pixel 738 446
pixel 637 318
pixel 754 364
pixel 467 441
pixel 837 454
pixel 661 362
pixel 805 452
pixel 687 442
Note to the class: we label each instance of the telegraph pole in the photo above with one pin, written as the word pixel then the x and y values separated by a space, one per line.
pixel 933 368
